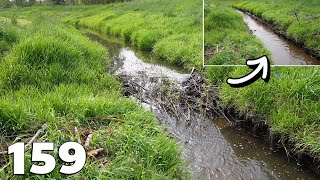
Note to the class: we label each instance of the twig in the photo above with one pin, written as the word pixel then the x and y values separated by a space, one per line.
pixel 29 143
pixel 175 111
pixel 3 152
pixel 87 143
pixel 207 54
pixel 139 85
pixel 15 140
pixel 4 167
pixel 106 118
pixel 94 152
pixel 36 135
pixel 195 85
pixel 191 71
pixel 77 134
pixel 218 107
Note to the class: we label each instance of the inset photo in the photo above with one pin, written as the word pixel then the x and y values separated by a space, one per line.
pixel 287 32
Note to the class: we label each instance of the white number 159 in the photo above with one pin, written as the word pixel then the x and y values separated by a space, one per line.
pixel 78 158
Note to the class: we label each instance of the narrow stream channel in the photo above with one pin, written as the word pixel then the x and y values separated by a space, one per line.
pixel 213 149
pixel 283 51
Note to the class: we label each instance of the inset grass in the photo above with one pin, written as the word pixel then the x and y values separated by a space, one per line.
pixel 228 40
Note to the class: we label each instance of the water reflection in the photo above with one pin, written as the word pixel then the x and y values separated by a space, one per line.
pixel 283 51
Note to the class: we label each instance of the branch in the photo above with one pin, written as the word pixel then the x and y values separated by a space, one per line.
pixel 106 118
pixel 34 138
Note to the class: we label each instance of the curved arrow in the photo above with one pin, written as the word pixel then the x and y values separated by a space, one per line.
pixel 261 65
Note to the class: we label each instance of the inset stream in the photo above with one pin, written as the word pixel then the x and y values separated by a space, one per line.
pixel 213 149
pixel 284 52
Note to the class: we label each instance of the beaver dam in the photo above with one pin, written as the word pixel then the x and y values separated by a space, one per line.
pixel 187 105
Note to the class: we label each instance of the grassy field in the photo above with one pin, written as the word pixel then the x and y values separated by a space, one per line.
pixel 172 30
pixel 289 103
pixel 299 20
pixel 51 74
pixel 228 40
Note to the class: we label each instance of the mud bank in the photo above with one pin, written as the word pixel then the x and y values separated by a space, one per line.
pixel 278 142
pixel 187 105
pixel 276 29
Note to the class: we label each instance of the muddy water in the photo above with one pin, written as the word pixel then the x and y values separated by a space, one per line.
pixel 283 51
pixel 213 149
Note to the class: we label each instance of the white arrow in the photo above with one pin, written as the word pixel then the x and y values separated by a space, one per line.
pixel 263 65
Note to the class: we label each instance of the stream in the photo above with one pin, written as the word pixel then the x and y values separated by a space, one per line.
pixel 212 148
pixel 284 52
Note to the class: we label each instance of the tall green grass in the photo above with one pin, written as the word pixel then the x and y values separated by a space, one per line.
pixel 52 74
pixel 299 20
pixel 227 39
pixel 171 30
pixel 8 36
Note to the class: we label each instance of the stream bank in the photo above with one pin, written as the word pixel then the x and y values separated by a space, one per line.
pixel 187 105
pixel 284 49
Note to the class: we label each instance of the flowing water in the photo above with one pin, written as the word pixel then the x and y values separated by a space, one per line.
pixel 212 148
pixel 284 52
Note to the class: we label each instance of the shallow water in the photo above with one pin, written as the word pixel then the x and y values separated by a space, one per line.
pixel 283 51
pixel 213 149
